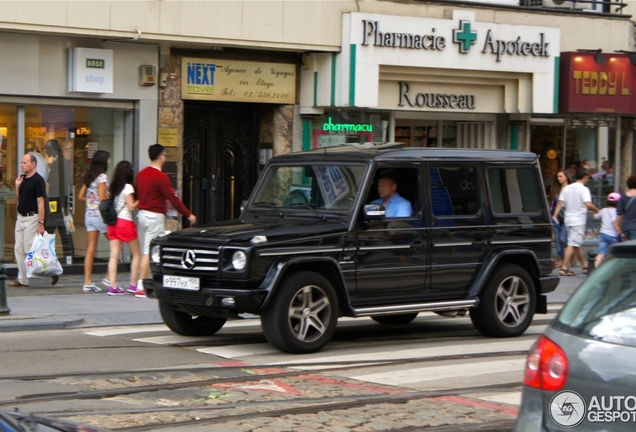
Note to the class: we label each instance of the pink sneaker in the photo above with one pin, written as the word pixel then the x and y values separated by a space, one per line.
pixel 116 291
pixel 140 293
pixel 132 289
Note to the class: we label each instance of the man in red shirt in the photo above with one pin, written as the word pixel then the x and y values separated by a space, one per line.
pixel 154 190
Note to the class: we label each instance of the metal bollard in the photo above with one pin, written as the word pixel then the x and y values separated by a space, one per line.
pixel 4 309
pixel 591 261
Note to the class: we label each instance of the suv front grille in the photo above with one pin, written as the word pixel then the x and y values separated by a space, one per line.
pixel 190 259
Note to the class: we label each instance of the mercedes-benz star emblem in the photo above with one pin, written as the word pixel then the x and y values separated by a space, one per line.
pixel 188 259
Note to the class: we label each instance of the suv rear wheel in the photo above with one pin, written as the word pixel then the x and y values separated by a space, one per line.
pixel 303 314
pixel 506 304
pixel 187 325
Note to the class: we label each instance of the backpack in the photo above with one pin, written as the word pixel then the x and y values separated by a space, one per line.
pixel 108 212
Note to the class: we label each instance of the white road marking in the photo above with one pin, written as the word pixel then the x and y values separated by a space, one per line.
pixel 237 351
pixel 512 398
pixel 431 351
pixel 432 373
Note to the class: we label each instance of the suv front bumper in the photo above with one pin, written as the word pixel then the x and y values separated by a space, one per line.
pixel 235 300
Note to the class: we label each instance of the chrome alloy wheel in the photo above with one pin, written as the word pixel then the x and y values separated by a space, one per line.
pixel 512 301
pixel 309 313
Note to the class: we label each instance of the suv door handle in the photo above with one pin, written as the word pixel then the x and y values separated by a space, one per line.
pixel 418 246
pixel 479 242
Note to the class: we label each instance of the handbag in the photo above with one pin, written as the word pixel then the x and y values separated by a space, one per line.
pixel 41 259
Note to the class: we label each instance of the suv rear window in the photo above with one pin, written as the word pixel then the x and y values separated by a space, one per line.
pixel 507 191
pixel 604 307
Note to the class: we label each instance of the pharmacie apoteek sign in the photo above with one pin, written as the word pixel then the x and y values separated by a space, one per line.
pixel 457 63
pixel 498 40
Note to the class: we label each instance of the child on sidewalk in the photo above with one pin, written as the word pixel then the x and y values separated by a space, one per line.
pixel 609 236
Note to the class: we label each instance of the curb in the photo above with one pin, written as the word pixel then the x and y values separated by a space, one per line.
pixel 28 324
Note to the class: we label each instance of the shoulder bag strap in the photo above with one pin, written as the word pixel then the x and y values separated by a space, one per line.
pixel 631 200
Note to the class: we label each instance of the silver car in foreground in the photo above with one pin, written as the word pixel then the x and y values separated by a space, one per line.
pixel 581 372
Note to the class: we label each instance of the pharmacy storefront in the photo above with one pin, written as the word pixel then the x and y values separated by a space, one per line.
pixel 63 99
pixel 430 82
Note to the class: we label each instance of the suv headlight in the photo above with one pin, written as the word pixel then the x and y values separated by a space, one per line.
pixel 239 260
pixel 155 254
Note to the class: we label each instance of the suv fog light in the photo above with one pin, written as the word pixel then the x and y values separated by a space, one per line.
pixel 155 254
pixel 228 301
pixel 239 260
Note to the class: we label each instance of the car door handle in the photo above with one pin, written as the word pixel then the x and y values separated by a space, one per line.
pixel 418 246
pixel 479 242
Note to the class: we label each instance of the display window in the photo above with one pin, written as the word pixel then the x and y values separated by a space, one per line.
pixel 63 139
pixel 580 143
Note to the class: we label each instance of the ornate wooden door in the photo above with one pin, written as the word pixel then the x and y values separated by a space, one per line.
pixel 220 159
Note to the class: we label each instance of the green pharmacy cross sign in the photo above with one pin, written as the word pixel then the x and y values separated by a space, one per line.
pixel 464 36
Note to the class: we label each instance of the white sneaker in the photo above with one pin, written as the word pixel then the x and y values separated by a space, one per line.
pixel 91 288
pixel 106 283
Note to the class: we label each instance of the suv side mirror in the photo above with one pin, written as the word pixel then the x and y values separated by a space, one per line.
pixel 374 211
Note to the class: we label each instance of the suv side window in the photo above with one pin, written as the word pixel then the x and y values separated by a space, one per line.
pixel 407 180
pixel 507 194
pixel 454 189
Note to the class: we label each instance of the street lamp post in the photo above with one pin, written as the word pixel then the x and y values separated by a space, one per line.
pixel 4 309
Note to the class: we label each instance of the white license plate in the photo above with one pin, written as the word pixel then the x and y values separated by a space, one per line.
pixel 181 282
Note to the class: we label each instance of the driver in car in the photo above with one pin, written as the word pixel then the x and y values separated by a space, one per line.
pixel 395 205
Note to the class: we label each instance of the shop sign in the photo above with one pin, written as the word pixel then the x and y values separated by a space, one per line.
pixel 434 100
pixel 436 36
pixel 90 70
pixel 346 127
pixel 590 87
pixel 238 81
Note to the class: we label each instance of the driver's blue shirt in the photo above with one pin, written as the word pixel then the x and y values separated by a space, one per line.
pixel 396 207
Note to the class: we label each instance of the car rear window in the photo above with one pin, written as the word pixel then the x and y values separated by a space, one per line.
pixel 604 306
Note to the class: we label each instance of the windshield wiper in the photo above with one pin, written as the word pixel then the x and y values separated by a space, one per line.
pixel 265 204
pixel 270 205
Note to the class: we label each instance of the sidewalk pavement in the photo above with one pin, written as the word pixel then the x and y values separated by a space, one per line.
pixel 41 306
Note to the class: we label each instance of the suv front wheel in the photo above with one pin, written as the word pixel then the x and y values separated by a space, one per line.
pixel 303 314
pixel 506 304
pixel 187 325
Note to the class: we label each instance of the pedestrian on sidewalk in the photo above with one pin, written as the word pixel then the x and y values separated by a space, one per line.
pixel 626 211
pixel 154 191
pixel 124 231
pixel 577 200
pixel 608 235
pixel 30 194
pixel 93 191
pixel 60 186
pixel 560 181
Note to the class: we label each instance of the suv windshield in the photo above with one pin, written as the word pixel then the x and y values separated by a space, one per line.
pixel 604 307
pixel 315 186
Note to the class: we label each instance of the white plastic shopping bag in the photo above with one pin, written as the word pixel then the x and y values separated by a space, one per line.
pixel 41 259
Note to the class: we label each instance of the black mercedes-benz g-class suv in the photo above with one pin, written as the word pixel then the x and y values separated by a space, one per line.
pixel 310 246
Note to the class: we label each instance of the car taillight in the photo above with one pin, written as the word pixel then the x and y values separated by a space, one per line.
pixel 547 366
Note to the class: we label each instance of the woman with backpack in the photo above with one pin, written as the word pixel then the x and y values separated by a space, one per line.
pixel 125 202
pixel 93 191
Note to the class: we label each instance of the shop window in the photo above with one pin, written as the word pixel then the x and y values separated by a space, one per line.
pixel 74 134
